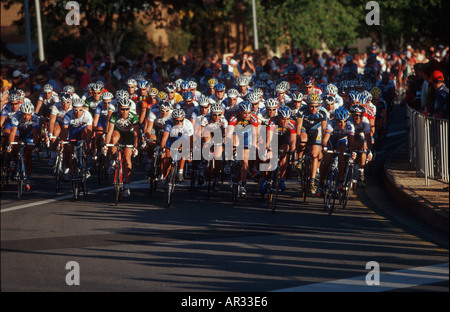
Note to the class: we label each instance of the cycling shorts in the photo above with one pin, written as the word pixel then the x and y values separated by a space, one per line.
pixel 334 143
pixel 314 134
pixel 25 135
pixel 75 133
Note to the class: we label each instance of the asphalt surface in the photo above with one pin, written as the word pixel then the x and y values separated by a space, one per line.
pixel 201 245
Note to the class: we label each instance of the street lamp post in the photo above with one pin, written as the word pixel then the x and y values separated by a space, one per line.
pixel 28 32
pixel 39 30
pixel 255 27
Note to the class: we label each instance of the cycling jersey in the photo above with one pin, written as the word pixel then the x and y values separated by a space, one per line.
pixel 103 113
pixel 217 100
pixel 25 128
pixel 124 125
pixel 77 125
pixel 59 112
pixel 8 113
pixel 242 125
pixel 210 125
pixel 159 123
pixel 178 131
pixel 91 105
pixel 339 137
pixel 284 133
pixel 191 111
pixel 362 128
pixel 47 103
pixel 312 123
pixel 264 119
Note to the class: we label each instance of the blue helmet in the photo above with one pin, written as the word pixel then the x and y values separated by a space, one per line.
pixel 341 113
pixel 284 111
pixel 188 95
pixel 219 86
pixel 245 106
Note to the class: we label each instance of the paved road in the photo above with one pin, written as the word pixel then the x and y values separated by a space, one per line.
pixel 209 245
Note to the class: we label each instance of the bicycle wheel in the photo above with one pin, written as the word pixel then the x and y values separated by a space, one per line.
pixel 58 173
pixel 100 168
pixel 210 175
pixel 305 178
pixel 117 182
pixel 347 187
pixel 172 181
pixel 84 176
pixel 235 183
pixel 20 178
pixel 5 171
pixel 272 197
pixel 194 175
pixel 332 193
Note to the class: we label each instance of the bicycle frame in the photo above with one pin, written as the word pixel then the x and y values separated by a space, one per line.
pixel 21 170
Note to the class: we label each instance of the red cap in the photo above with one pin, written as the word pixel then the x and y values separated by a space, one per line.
pixel 437 76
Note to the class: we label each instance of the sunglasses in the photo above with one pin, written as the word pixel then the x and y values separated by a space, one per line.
pixel 271 109
pixel 358 116
pixel 310 87
pixel 16 103
pixel 204 107
pixel 217 115
pixel 97 93
pixel 65 102
pixel 164 110
pixel 124 109
pixel 314 106
pixel 220 91
pixel 178 120
pixel 78 110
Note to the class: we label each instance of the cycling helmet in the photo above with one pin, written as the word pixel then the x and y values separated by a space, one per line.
pixel 233 93
pixel 69 89
pixel 260 84
pixel 216 108
pixel 153 92
pixel 228 77
pixel 188 95
pixel 21 93
pixel 65 96
pixel 48 88
pixel 139 77
pixel 178 83
pixel 355 109
pixel 220 86
pixel 27 108
pixel 170 87
pixel 245 106
pixel 212 82
pixel 314 98
pixel 253 97
pixel 97 87
pixel 185 85
pixel 341 113
pixel 77 103
pixel 143 84
pixel 280 88
pixel 14 96
pixel 367 95
pixel 284 111
pixel 242 81
pixel 328 99
pixel 89 86
pixel 107 96
pixel 132 82
pixel 121 94
pixel 164 104
pixel 162 95
pixel 308 81
pixel 264 77
pixel 297 96
pixel 376 92
pixel 354 96
pixel 124 103
pixel 192 84
pixel 204 101
pixel 178 113
pixel 271 103
pixel 259 92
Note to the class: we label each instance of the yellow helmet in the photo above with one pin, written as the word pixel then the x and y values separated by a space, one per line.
pixel 313 98
pixel 153 91
pixel 212 82
pixel 376 92
pixel 162 95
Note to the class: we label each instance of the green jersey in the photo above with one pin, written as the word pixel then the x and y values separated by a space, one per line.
pixel 124 125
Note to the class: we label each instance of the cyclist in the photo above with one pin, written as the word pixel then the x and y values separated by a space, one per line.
pixel 9 110
pixel 173 96
pixel 71 90
pixel 124 128
pixel 308 86
pixel 46 100
pixel 24 128
pixel 142 100
pixel 189 106
pixel 209 126
pixel 231 103
pixel 209 89
pixel 339 136
pixel 193 88
pixel 102 114
pixel 175 128
pixel 247 123
pixel 283 126
pixel 311 124
pixel 271 110
pixel 59 110
pixel 296 103
pixel 77 125
pixel 243 86
pixel 381 117
pixel 332 90
pixel 363 137
pixel 281 89
pixel 131 88
pixel 92 101
pixel 388 89
pixel 293 77
pixel 258 106
pixel 219 93
pixel 329 103
pixel 154 128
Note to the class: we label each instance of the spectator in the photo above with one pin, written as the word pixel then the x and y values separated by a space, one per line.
pixel 441 99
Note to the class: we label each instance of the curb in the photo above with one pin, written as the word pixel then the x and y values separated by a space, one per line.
pixel 411 202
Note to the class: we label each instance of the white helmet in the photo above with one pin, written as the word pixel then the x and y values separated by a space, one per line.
pixel 242 81
pixel 27 108
pixel 253 97
pixel 178 113
pixel 107 96
pixel 216 108
pixel 271 103
pixel 48 88
pixel 331 89
pixel 77 102
pixel 233 93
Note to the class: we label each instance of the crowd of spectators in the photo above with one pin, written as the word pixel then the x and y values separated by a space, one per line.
pixel 413 70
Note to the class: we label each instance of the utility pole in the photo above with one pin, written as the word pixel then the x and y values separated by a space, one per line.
pixel 255 27
pixel 39 30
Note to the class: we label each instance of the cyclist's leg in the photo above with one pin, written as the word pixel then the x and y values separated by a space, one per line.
pixel 341 147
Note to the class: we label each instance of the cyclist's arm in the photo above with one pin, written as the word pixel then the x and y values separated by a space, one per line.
pixel 299 125
pixel 164 138
pixel 325 139
pixel 109 133
pixel 293 141
pixel 88 133
pixel 95 121
pixel 12 134
pixel 136 135
pixel 142 118
pixel 148 127
pixel 51 123
pixel 38 106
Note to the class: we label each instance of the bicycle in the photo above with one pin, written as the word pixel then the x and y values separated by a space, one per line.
pixel 5 169
pixel 348 182
pixel 273 185
pixel 79 169
pixel 59 167
pixel 118 172
pixel 102 163
pixel 20 175
pixel 44 141
pixel 235 178
pixel 331 192
pixel 305 174
pixel 155 171
pixel 172 177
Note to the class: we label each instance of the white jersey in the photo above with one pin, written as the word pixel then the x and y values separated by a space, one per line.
pixel 59 112
pixel 70 120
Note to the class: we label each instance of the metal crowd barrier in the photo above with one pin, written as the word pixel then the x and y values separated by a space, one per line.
pixel 428 145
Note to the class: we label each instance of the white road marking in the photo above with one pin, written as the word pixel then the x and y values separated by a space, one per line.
pixel 388 281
